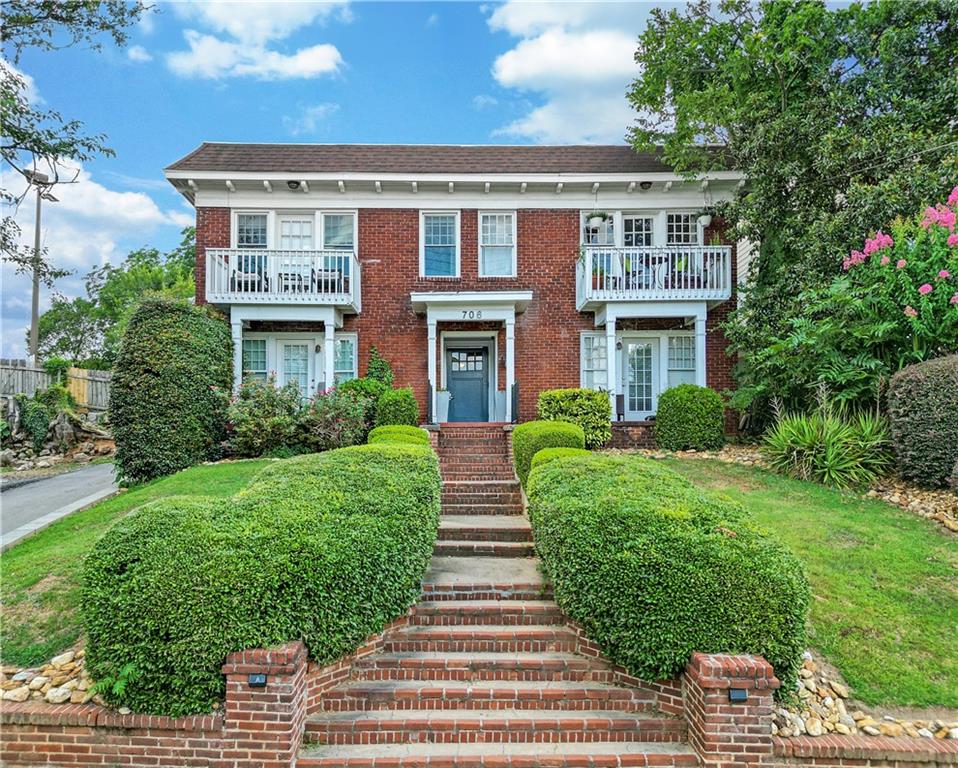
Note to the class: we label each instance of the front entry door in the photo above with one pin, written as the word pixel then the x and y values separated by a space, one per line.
pixel 641 378
pixel 467 379
pixel 294 364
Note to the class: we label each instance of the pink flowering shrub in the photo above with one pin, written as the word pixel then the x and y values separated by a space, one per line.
pixel 895 303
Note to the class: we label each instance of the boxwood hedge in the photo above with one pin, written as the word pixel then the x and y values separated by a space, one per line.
pixel 654 568
pixel 399 433
pixel 589 408
pixel 530 438
pixel 689 416
pixel 397 406
pixel 326 547
pixel 923 416
pixel 551 454
pixel 170 389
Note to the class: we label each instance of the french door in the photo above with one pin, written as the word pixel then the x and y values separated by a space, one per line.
pixel 640 372
pixel 294 364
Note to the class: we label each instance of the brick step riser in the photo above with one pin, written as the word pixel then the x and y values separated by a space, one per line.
pixel 481 498
pixel 465 477
pixel 481 593
pixel 485 534
pixel 454 508
pixel 479 486
pixel 466 457
pixel 428 733
pixel 503 619
pixel 479 646
pixel 490 442
pixel 426 675
pixel 388 703
pixel 484 549
pixel 634 760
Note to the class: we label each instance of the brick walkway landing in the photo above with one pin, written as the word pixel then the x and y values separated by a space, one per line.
pixel 487 673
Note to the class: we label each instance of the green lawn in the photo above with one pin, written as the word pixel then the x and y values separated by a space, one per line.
pixel 884 606
pixel 40 586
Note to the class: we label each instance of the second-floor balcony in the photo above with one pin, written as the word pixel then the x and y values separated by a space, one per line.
pixel 269 276
pixel 653 273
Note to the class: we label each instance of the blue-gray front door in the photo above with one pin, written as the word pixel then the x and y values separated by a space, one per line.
pixel 467 379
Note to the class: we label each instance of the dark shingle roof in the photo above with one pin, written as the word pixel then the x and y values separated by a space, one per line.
pixel 417 158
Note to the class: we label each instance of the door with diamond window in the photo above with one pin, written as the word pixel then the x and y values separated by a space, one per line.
pixel 294 365
pixel 640 373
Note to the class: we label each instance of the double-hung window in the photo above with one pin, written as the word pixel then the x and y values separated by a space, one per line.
pixel 439 250
pixel 254 359
pixel 251 233
pixel 594 362
pixel 681 360
pixel 344 359
pixel 637 231
pixel 601 234
pixel 497 244
pixel 682 229
pixel 339 234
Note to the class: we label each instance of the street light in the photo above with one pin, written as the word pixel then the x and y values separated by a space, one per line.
pixel 42 182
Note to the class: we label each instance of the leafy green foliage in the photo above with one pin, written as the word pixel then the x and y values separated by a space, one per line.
pixel 530 438
pixel 34 420
pixel 170 389
pixel 378 368
pixel 393 433
pixel 690 416
pixel 923 413
pixel 829 447
pixel 588 408
pixel 551 454
pixel 397 406
pixel 334 419
pixel 262 417
pixel 823 110
pixel 696 575
pixel 369 390
pixel 328 547
pixel 57 368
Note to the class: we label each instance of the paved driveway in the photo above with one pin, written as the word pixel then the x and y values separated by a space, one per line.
pixel 28 508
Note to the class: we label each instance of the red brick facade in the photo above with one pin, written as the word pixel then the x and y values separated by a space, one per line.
pixel 547 340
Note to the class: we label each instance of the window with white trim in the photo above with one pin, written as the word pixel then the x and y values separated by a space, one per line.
pixel 251 230
pixel 682 229
pixel 344 359
pixel 603 234
pixel 254 359
pixel 296 233
pixel 637 231
pixel 594 364
pixel 681 360
pixel 339 231
pixel 497 244
pixel 440 245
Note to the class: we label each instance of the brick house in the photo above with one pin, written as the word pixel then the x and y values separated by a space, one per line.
pixel 482 273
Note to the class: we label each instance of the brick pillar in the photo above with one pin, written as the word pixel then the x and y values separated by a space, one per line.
pixel 263 727
pixel 723 733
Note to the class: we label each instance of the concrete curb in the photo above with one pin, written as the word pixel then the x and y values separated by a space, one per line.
pixel 25 531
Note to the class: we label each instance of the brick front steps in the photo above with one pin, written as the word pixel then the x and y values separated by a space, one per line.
pixel 487 670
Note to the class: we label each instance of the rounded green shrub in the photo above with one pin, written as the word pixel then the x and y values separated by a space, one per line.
pixel 325 547
pixel 654 568
pixel 589 408
pixel 690 416
pixel 923 416
pixel 397 406
pixel 170 389
pixel 399 433
pixel 364 386
pixel 530 438
pixel 551 454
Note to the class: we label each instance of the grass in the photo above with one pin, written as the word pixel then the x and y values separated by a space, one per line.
pixel 884 582
pixel 40 589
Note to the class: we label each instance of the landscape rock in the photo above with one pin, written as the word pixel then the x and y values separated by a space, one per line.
pixel 63 658
pixel 17 694
pixel 58 695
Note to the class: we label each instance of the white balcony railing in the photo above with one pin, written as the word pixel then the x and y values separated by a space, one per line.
pixel 255 276
pixel 680 272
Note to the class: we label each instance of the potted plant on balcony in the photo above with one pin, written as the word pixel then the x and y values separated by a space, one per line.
pixel 597 219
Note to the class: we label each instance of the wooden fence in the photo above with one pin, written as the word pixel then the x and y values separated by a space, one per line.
pixel 90 389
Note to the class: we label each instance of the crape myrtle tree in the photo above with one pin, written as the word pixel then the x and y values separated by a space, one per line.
pixel 842 119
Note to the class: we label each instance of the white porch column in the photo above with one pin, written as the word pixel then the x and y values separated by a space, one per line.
pixel 700 350
pixel 236 327
pixel 510 364
pixel 610 359
pixel 329 355
pixel 433 384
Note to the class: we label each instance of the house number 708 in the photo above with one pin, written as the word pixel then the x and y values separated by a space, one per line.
pixel 472 314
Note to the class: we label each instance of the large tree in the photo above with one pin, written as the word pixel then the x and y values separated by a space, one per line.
pixel 842 118
pixel 41 140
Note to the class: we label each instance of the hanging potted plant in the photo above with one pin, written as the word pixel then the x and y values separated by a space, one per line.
pixel 705 217
pixel 597 219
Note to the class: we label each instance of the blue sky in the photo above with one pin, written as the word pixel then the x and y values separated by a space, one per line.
pixel 451 72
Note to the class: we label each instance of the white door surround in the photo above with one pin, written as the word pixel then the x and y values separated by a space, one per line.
pixel 471 307
pixel 467 339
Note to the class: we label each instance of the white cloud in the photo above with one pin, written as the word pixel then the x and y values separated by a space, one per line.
pixel 579 57
pixel 258 23
pixel 90 225
pixel 212 58
pixel 311 119
pixel 484 101
pixel 138 53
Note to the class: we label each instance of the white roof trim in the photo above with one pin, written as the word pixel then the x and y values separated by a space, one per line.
pixel 455 300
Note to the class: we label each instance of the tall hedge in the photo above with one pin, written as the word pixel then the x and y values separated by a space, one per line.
pixel 170 389
pixel 689 416
pixel 923 416
pixel 530 438
pixel 589 408
pixel 654 568
pixel 397 406
pixel 326 547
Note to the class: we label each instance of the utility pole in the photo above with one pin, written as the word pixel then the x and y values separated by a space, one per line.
pixel 42 182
